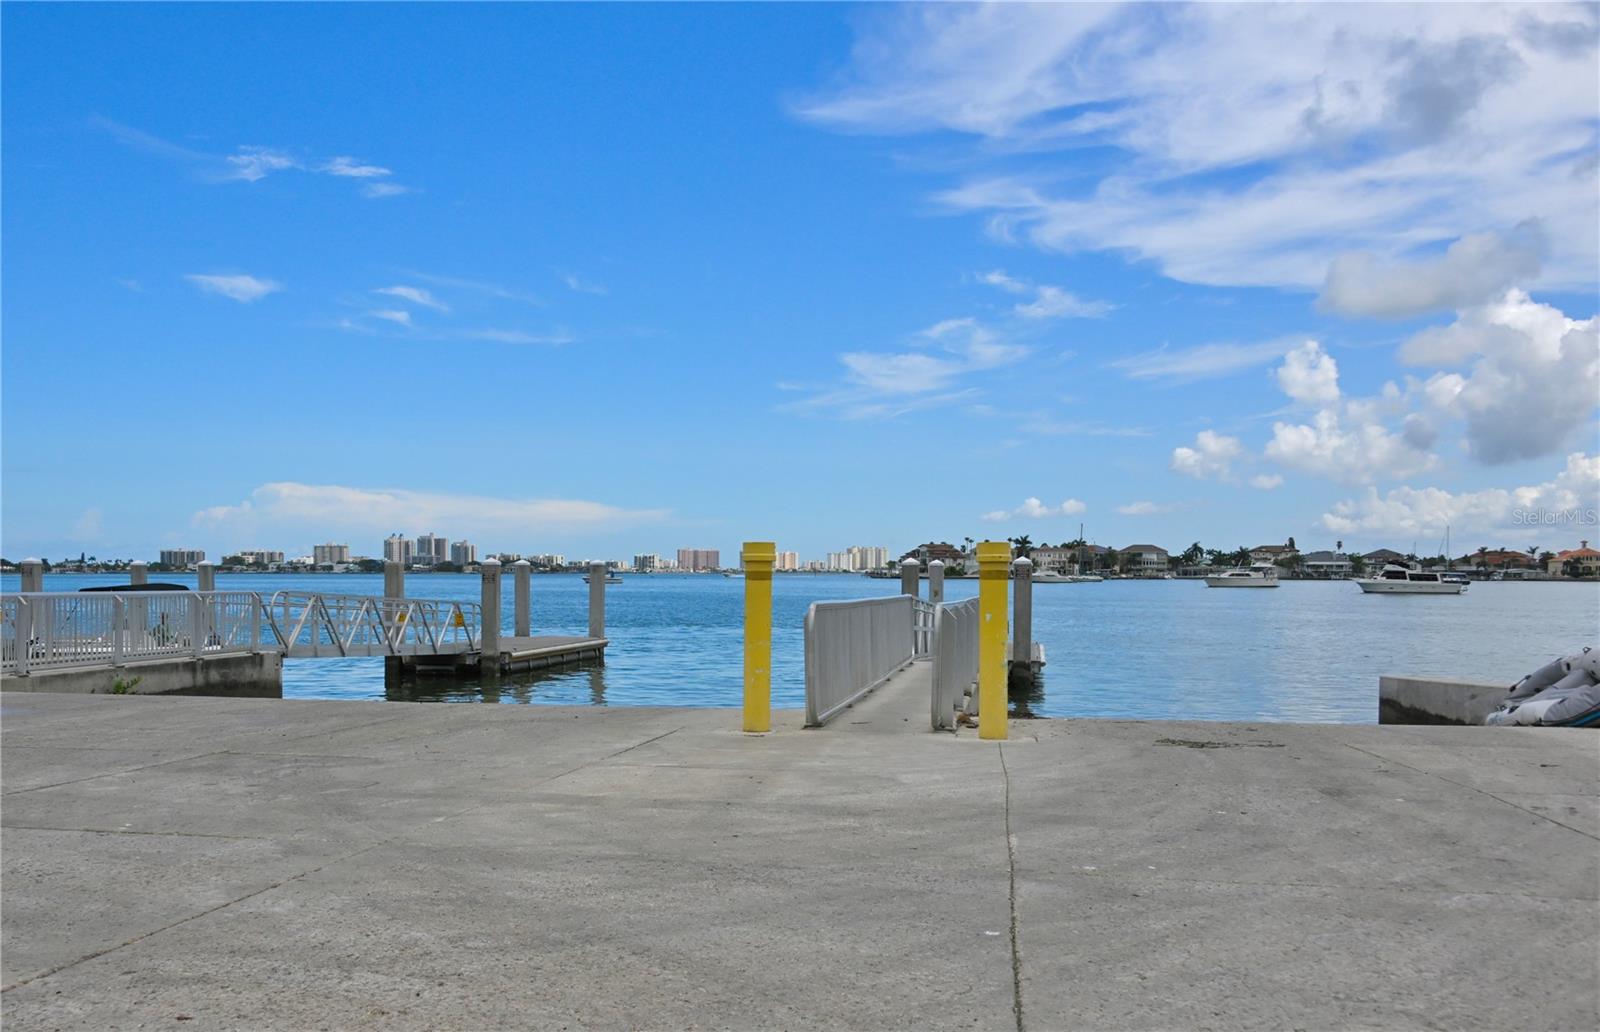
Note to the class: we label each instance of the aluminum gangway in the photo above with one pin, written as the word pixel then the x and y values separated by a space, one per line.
pixel 49 630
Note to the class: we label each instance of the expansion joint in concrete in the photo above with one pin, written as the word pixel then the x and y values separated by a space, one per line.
pixel 1011 865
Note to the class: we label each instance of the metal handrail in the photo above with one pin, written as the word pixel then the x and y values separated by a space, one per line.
pixel 851 648
pixel 955 660
pixel 44 630
pixel 313 624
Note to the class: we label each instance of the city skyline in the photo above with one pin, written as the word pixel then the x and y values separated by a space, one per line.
pixel 874 274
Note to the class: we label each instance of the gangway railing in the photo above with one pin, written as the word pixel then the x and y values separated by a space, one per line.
pixel 852 647
pixel 955 660
pixel 46 630
pixel 311 624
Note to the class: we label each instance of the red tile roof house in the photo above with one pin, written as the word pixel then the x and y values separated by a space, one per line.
pixel 1583 558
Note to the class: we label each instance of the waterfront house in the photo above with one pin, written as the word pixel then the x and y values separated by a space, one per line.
pixel 1144 560
pixel 1273 553
pixel 944 551
pixel 1583 559
pixel 1379 556
pixel 1325 564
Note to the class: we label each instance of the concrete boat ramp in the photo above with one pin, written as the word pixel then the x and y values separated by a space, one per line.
pixel 192 863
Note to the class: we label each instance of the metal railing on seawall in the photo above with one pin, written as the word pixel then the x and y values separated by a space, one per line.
pixel 852 647
pixel 955 660
pixel 46 630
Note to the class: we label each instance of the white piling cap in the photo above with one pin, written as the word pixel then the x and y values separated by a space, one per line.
pixel 937 562
pixel 909 562
pixel 1022 561
pixel 491 561
pixel 522 562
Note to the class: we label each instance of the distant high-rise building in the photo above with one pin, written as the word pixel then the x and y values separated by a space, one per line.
pixel 430 550
pixel 548 561
pixel 788 561
pixel 182 558
pixel 698 559
pixel 463 553
pixel 397 548
pixel 330 554
pixel 647 562
pixel 260 557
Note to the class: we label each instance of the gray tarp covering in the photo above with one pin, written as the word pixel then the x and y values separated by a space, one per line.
pixel 1563 692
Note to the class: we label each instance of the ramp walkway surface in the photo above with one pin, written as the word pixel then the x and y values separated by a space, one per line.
pixel 276 864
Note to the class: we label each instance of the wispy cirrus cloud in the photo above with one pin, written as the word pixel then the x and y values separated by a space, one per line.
pixel 415 295
pixel 242 288
pixel 398 316
pixel 1387 134
pixel 1049 302
pixel 251 163
pixel 1202 362
pixel 578 285
pixel 488 288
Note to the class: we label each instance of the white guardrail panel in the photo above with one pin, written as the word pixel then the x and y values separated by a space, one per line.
pixel 955 659
pixel 46 630
pixel 851 648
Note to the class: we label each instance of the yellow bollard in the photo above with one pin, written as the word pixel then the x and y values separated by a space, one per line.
pixel 994 564
pixel 757 558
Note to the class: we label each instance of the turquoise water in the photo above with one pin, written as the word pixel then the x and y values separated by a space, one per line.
pixel 1305 651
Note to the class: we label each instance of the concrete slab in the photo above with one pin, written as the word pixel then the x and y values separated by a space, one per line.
pixel 272 864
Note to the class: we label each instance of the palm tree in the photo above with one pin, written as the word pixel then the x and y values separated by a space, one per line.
pixel 1192 555
pixel 1240 556
pixel 1483 557
pixel 1022 546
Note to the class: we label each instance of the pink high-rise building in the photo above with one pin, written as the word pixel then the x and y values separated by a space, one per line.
pixel 696 559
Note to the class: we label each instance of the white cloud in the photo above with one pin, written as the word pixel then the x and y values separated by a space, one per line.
pixel 343 166
pixel 1387 130
pixel 1142 509
pixel 881 384
pixel 1310 375
pixel 416 295
pixel 1475 269
pixel 1347 439
pixel 1532 382
pixel 253 163
pixel 244 289
pixel 376 190
pixel 1055 303
pixel 1426 512
pixel 518 336
pixel 1266 481
pixel 1049 302
pixel 395 315
pixel 1034 509
pixel 1211 456
pixel 580 285
pixel 325 508
pixel 1201 362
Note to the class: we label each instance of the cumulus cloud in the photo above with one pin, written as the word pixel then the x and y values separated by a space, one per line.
pixel 1532 377
pixel 1034 509
pixel 1347 439
pixel 1475 269
pixel 1211 456
pixel 1266 481
pixel 244 289
pixel 323 508
pixel 1310 375
pixel 1427 511
pixel 1341 128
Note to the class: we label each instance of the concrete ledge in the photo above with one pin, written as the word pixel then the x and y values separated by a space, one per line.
pixel 1430 700
pixel 244 675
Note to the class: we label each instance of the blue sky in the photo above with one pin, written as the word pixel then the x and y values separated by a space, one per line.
pixel 607 279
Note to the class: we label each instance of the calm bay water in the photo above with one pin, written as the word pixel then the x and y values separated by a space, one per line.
pixel 1307 651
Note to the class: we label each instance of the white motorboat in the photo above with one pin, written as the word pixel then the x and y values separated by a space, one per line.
pixel 1398 580
pixel 1054 577
pixel 1257 575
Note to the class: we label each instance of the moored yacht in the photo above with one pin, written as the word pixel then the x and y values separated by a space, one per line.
pixel 1398 580
pixel 1258 575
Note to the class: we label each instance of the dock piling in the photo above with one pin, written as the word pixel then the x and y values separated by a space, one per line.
pixel 910 577
pixel 32 576
pixel 936 581
pixel 597 600
pixel 489 634
pixel 206 577
pixel 522 607
pixel 139 573
pixel 1022 614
